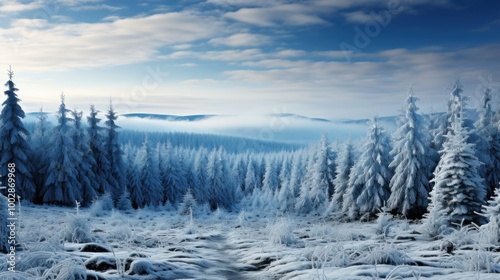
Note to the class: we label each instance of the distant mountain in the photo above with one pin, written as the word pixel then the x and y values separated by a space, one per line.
pixel 287 115
pixel 173 118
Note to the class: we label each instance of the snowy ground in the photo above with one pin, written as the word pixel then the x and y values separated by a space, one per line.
pixel 160 244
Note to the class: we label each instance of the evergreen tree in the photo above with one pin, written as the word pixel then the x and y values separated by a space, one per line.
pixel 62 185
pixel 84 172
pixel 323 173
pixel 250 178
pixel 14 148
pixel 458 192
pixel 152 189
pixel 174 174
pixel 287 193
pixel 101 166
pixel 344 163
pixel 372 174
pixel 199 189
pixel 486 145
pixel 220 192
pixel 134 185
pixel 40 141
pixel 410 185
pixel 304 203
pixel 116 176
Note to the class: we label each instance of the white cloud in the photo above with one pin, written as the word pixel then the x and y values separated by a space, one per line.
pixel 15 6
pixel 88 45
pixel 242 40
pixel 287 14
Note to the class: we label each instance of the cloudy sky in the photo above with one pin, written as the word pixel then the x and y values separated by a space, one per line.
pixel 320 58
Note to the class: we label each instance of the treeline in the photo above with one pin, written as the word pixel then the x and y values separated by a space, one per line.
pixel 445 165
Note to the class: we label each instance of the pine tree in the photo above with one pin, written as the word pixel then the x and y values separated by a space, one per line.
pixel 116 176
pixel 372 175
pixel 410 184
pixel 486 145
pixel 492 210
pixel 459 191
pixel 250 178
pixel 287 193
pixel 304 203
pixel 40 141
pixel 344 163
pixel 173 174
pixel 150 175
pixel 323 173
pixel 96 145
pixel 84 175
pixel 62 185
pixel 134 185
pixel 220 193
pixel 14 148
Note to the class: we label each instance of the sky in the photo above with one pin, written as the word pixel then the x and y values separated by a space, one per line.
pixel 330 59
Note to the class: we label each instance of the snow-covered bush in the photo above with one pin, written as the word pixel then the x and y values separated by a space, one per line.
pixel 188 204
pixel 78 230
pixel 101 206
pixel 67 269
pixel 281 232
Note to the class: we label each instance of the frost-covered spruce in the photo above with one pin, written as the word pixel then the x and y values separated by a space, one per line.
pixel 250 178
pixel 62 186
pixel 372 174
pixel 114 153
pixel 85 175
pixel 492 210
pixel 40 142
pixel 412 161
pixel 172 173
pixel 97 150
pixel 459 191
pixel 188 203
pixel 14 149
pixel 220 191
pixel 149 176
pixel 344 162
pixel 486 144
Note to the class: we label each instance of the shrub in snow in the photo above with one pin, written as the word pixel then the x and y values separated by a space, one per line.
pixel 124 202
pixel 4 230
pixel 101 206
pixel 384 254
pixel 281 232
pixel 492 212
pixel 67 269
pixel 78 230
pixel 188 204
pixel 384 223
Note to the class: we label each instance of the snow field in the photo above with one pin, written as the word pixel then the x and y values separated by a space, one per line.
pixel 158 243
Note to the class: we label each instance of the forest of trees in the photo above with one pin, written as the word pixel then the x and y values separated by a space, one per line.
pixel 444 166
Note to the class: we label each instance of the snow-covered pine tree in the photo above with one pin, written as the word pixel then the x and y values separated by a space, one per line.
pixel 199 189
pixel 345 161
pixel 62 186
pixel 173 174
pixel 14 148
pixel 97 148
pixel 84 172
pixel 486 145
pixel 150 175
pixel 304 202
pixel 270 182
pixel 114 153
pixel 412 161
pixel 373 173
pixel 492 210
pixel 287 193
pixel 459 191
pixel 323 173
pixel 134 185
pixel 250 178
pixel 40 141
pixel 220 192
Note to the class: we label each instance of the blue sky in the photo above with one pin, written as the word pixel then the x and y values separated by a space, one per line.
pixel 320 58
